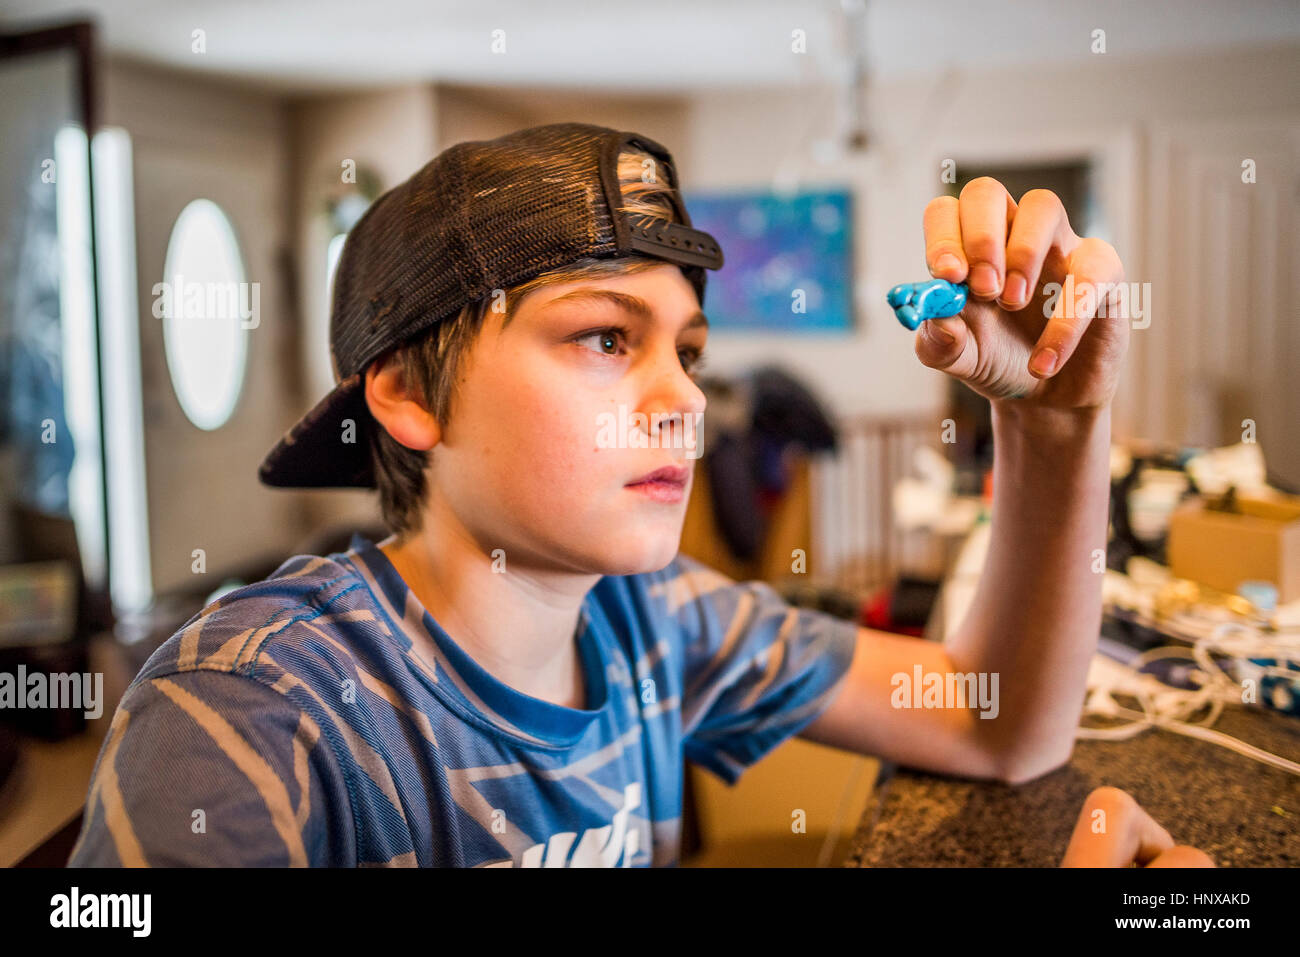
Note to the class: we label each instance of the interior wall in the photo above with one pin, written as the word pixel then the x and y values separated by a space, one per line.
pixel 194 138
pixel 393 133
pixel 1104 109
pixel 471 113
pixel 1226 264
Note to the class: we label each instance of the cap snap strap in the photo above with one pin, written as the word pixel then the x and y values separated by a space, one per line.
pixel 675 242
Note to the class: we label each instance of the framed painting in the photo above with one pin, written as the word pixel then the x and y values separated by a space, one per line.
pixel 788 260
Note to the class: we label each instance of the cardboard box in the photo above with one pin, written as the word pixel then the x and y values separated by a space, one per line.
pixel 1224 549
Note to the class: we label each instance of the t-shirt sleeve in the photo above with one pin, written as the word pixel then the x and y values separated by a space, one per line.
pixel 757 669
pixel 213 769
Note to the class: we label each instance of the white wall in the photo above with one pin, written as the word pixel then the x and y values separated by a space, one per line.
pixel 393 133
pixel 193 138
pixel 1103 108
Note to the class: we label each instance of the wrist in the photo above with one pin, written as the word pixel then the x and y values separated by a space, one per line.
pixel 1050 423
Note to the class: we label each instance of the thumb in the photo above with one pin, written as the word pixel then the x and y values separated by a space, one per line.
pixel 941 342
pixel 1183 856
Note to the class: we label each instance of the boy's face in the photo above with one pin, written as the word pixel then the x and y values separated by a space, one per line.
pixel 543 440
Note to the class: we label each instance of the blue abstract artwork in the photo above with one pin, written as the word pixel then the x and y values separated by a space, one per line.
pixel 788 260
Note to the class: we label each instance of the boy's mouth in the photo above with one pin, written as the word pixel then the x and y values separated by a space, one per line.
pixel 667 484
pixel 673 474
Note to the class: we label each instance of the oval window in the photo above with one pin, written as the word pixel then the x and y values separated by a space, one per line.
pixel 207 311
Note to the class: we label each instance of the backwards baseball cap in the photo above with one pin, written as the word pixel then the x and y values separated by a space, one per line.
pixel 480 216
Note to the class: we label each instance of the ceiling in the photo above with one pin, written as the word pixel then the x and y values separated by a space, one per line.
pixel 671 46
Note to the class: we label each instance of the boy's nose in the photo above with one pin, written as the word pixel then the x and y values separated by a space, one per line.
pixel 673 394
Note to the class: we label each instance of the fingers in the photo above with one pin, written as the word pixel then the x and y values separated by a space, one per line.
pixel 1040 225
pixel 1146 840
pixel 1112 830
pixel 1002 249
pixel 1095 267
pixel 942 344
pixel 943 251
pixel 985 210
pixel 1182 856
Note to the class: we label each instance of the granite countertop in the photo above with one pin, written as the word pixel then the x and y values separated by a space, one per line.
pixel 1240 812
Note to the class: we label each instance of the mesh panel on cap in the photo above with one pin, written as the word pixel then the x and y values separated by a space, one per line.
pixel 480 216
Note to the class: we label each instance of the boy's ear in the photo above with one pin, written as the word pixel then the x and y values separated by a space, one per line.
pixel 397 408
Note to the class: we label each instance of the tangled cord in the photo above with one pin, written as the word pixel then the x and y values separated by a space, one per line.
pixel 1171 708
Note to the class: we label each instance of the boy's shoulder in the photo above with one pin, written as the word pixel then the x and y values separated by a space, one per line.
pixel 302 601
pixel 685 592
pixel 314 610
pixel 684 580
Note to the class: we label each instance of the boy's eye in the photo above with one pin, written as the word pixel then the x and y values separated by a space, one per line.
pixel 605 340
pixel 692 360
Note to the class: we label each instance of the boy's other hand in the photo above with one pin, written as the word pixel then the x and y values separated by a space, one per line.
pixel 1114 831
pixel 1009 254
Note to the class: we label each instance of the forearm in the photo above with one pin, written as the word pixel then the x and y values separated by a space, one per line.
pixel 1036 614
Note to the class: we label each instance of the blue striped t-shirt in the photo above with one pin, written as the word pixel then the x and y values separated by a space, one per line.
pixel 321 717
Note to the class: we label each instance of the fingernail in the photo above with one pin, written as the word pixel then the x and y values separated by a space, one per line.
pixel 939 334
pixel 1014 292
pixel 1043 361
pixel 984 280
pixel 948 263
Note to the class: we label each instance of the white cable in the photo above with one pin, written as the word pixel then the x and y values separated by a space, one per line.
pixel 1232 639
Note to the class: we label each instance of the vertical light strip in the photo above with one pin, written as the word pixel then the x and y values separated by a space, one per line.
pixel 332 253
pixel 80 371
pixel 132 585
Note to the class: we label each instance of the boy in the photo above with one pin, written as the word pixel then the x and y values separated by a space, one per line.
pixel 515 675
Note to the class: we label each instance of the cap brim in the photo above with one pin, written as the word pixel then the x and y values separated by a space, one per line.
pixel 324 450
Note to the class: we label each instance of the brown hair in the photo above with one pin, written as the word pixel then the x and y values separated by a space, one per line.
pixel 432 360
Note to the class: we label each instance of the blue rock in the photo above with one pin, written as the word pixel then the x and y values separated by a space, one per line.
pixel 914 302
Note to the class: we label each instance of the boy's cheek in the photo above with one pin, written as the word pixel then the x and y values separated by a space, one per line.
pixel 556 429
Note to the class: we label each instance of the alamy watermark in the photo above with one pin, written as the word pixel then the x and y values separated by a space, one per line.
pixel 38 691
pixel 75 909
pixel 952 689
pixel 1115 300
pixel 637 430
pixel 179 299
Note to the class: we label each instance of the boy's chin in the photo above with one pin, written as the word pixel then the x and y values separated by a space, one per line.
pixel 633 557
